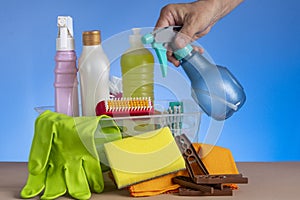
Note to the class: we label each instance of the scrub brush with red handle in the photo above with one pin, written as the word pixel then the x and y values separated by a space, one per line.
pixel 125 106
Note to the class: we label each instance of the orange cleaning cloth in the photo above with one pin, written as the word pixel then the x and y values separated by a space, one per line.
pixel 217 160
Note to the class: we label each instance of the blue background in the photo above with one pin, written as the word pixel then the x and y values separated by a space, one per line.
pixel 259 42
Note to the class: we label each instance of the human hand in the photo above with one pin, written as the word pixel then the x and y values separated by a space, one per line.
pixel 63 157
pixel 196 18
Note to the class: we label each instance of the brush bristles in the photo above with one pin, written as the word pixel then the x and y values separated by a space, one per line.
pixel 127 104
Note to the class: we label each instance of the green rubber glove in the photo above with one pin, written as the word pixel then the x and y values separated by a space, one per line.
pixel 107 131
pixel 63 156
pixel 36 181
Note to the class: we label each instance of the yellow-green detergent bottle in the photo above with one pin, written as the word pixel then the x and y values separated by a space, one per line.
pixel 137 66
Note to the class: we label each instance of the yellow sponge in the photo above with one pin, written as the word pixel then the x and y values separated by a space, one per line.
pixel 143 157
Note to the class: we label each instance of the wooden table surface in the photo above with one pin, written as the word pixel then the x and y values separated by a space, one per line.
pixel 267 180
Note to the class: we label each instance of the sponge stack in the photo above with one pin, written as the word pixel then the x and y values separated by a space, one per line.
pixel 143 157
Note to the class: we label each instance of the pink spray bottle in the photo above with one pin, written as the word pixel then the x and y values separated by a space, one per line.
pixel 66 83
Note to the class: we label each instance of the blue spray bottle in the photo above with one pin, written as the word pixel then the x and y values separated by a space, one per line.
pixel 214 88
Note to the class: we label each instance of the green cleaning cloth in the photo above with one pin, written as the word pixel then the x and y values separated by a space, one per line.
pixel 63 156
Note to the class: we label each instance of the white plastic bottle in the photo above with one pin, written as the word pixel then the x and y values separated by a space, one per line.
pixel 93 67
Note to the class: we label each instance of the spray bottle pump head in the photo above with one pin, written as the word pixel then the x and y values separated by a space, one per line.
pixel 65 38
pixel 135 38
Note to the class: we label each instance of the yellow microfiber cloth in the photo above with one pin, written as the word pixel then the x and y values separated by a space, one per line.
pixel 143 157
pixel 218 160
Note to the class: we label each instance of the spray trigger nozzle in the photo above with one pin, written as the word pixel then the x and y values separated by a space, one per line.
pixel 158 39
pixel 66 23
pixel 161 38
pixel 65 40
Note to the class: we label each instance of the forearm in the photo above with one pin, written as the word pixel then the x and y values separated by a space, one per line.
pixel 214 10
pixel 223 7
pixel 228 5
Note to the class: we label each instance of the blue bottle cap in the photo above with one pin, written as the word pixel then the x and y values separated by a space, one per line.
pixel 182 53
pixel 148 38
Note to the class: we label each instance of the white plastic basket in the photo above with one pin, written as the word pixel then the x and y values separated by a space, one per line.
pixel 187 122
